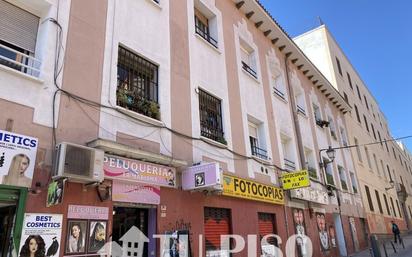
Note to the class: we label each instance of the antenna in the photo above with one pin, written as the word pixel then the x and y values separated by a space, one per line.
pixel 320 21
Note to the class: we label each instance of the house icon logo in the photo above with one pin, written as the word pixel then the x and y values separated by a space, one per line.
pixel 132 245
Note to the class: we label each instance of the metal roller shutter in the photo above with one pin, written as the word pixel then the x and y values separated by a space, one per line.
pixel 266 223
pixel 217 222
pixel 18 27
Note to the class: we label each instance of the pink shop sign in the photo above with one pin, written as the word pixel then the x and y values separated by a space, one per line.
pixel 135 193
pixel 87 212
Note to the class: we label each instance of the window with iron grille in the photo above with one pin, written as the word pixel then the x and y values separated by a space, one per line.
pixel 210 109
pixel 137 84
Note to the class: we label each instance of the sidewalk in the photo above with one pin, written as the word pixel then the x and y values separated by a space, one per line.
pixel 407 252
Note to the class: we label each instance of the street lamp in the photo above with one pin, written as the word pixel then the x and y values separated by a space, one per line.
pixel 330 152
pixel 392 185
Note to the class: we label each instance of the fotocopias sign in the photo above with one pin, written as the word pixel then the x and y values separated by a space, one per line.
pixel 247 189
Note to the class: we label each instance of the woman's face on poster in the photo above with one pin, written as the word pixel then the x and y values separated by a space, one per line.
pixel 24 163
pixel 33 245
pixel 321 222
pixel 100 235
pixel 75 231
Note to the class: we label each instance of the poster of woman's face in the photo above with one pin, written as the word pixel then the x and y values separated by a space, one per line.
pixel 34 245
pixel 97 238
pixel 76 236
pixel 323 234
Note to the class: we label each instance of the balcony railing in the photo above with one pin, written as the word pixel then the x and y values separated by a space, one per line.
pixel 289 165
pixel 249 69
pixel 301 110
pixel 279 93
pixel 259 152
pixel 206 36
pixel 19 61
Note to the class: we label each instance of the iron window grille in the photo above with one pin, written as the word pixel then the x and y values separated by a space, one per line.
pixel 289 165
pixel 137 84
pixel 301 110
pixel 256 150
pixel 202 30
pixel 211 117
pixel 279 93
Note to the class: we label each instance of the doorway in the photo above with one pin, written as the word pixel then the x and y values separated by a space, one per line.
pixel 124 218
pixel 7 216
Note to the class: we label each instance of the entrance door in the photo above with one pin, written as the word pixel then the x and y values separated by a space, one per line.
pixel 7 214
pixel 125 218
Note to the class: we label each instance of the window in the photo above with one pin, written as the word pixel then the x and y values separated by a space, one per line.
pixel 366 123
pixel 346 97
pixel 386 204
pixel 300 102
pixel 311 163
pixel 256 146
pixel 394 154
pixel 373 131
pixel 217 222
pixel 317 115
pixel 393 207
pixel 358 149
pixel 399 209
pixel 18 36
pixel 378 199
pixel 288 153
pixel 389 172
pixel 383 170
pixel 368 195
pixel 366 102
pixel 357 113
pixel 342 177
pixel 354 183
pixel 332 128
pixel 376 164
pixel 380 138
pixel 279 86
pixel 349 80
pixel 368 158
pixel 137 84
pixel 343 136
pixel 359 94
pixel 203 28
pixel 210 109
pixel 248 58
pixel 339 67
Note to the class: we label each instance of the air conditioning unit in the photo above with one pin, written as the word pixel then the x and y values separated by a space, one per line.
pixel 78 163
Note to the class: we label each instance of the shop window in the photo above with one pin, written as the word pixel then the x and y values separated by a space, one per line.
pixel 18 36
pixel 205 23
pixel 210 109
pixel 378 199
pixel 257 142
pixel 368 196
pixel 267 226
pixel 137 84
pixel 217 222
pixel 248 58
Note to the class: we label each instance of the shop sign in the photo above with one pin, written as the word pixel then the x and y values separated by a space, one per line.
pixel 247 189
pixel 87 212
pixel 43 230
pixel 135 193
pixel 202 176
pixel 311 194
pixel 17 158
pixel 118 168
pixel 295 180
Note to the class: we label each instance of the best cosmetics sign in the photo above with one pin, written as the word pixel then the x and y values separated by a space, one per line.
pixel 17 158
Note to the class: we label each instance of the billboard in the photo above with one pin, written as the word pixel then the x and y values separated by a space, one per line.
pixel 17 158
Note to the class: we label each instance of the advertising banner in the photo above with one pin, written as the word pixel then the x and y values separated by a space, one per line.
pixel 17 158
pixel 55 192
pixel 295 180
pixel 87 212
pixel 247 189
pixel 43 230
pixel 118 168
pixel 135 193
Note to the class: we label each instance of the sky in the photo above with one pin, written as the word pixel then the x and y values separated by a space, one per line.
pixel 375 35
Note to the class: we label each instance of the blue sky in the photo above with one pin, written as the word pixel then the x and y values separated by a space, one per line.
pixel 375 35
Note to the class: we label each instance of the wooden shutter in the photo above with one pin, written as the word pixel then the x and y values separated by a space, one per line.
pixel 18 27
pixel 217 223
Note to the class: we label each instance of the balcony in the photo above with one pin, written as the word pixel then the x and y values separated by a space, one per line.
pixel 19 61
pixel 249 70
pixel 259 152
pixel 289 165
